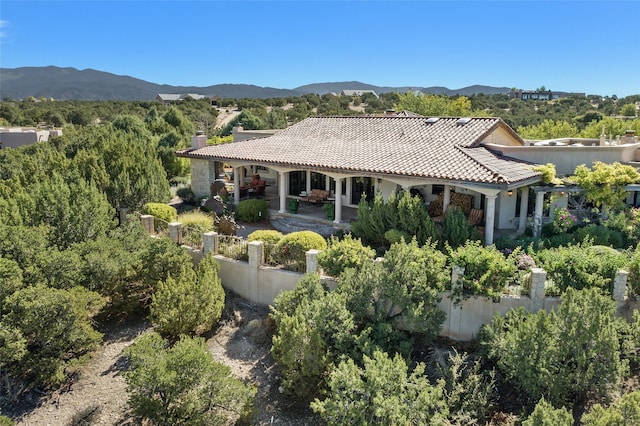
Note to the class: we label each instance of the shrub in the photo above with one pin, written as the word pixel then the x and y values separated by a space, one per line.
pixel 546 414
pixel 313 328
pixel 182 384
pixel 190 303
pixel 600 235
pixel 291 250
pixel 457 230
pixel 581 266
pixel 384 391
pixel 400 292
pixel 187 195
pixel 270 237
pixel 395 236
pixel 563 220
pixel 625 411
pixel 562 356
pixel 252 210
pixel 267 236
pixel 633 264
pixel 160 211
pixel 344 253
pixel 486 270
pixel 195 224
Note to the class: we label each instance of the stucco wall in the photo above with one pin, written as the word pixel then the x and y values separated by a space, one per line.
pixel 567 158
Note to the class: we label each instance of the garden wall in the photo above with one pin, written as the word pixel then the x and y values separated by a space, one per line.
pixel 261 284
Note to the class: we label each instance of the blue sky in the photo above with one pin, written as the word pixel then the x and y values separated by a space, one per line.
pixel 578 46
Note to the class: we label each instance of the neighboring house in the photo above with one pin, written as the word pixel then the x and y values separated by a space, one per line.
pixel 14 137
pixel 352 93
pixel 541 95
pixel 360 156
pixel 170 98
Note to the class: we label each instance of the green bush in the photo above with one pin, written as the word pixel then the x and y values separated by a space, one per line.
pixel 456 228
pixel 580 266
pixel 251 210
pixel 564 355
pixel 291 250
pixel 344 253
pixel 194 224
pixel 190 303
pixel 267 236
pixel 600 235
pixel 546 414
pixel 395 236
pixel 160 211
pixel 633 265
pixel 183 384
pixel 186 195
pixel 625 411
pixel 270 237
pixel 486 270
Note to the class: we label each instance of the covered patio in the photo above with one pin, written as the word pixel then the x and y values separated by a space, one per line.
pixel 361 156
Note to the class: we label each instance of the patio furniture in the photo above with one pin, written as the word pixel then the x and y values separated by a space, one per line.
pixel 317 196
pixel 475 217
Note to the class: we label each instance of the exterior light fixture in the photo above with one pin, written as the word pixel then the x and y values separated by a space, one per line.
pixel 510 193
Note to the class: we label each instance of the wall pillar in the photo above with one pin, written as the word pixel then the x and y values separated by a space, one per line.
pixel 175 232
pixel 312 261
pixel 537 216
pixel 211 242
pixel 490 219
pixel 620 286
pixel 256 253
pixel 148 223
pixel 536 288
pixel 524 207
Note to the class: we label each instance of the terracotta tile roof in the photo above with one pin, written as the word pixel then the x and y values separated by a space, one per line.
pixel 436 148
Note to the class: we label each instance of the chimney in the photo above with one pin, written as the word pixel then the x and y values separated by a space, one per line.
pixel 199 140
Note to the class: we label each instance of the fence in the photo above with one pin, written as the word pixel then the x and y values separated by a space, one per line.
pixel 260 283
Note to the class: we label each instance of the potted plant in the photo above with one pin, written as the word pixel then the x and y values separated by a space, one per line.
pixel 293 205
pixel 329 208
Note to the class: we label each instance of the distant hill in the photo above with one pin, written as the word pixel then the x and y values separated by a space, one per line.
pixel 70 83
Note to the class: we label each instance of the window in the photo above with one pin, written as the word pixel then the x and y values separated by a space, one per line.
pixel 297 182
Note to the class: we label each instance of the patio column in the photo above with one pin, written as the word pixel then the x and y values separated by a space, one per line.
pixel 338 206
pixel 446 198
pixel 490 219
pixel 282 191
pixel 537 216
pixel 308 179
pixel 524 206
pixel 236 184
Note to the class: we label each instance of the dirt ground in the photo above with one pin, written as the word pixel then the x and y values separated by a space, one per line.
pixel 97 396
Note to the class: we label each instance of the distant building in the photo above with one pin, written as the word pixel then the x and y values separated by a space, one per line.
pixel 541 95
pixel 169 98
pixel 357 93
pixel 14 137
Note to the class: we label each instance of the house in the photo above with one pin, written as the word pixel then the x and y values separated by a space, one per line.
pixel 541 95
pixel 359 156
pixel 14 137
pixel 170 98
pixel 351 93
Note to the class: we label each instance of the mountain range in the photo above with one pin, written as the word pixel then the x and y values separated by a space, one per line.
pixel 73 84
